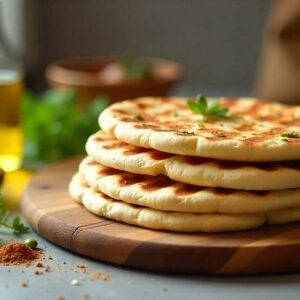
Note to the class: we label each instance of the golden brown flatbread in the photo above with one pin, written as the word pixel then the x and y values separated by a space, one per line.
pixel 254 130
pixel 200 171
pixel 162 193
pixel 104 206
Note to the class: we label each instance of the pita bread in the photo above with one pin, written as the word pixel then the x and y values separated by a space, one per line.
pixel 105 206
pixel 110 152
pixel 162 193
pixel 252 131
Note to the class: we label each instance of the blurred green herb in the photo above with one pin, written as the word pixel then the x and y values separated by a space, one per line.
pixel 292 134
pixel 5 220
pixel 203 107
pixel 135 68
pixel 138 118
pixel 54 127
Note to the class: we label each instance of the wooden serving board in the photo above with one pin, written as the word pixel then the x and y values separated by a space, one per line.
pixel 54 215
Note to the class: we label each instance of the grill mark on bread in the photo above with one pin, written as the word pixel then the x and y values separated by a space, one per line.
pixel 294 122
pixel 157 155
pixel 132 150
pixel 186 189
pixel 141 105
pixel 115 145
pixel 103 139
pixel 92 163
pixel 272 133
pixel 120 111
pixel 245 127
pixel 156 184
pixel 109 172
pixel 254 140
pixel 130 179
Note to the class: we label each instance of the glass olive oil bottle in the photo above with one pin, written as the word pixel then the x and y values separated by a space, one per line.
pixel 11 85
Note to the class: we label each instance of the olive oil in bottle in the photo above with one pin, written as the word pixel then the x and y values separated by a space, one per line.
pixel 11 143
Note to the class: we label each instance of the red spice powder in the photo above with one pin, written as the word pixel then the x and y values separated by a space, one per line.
pixel 17 253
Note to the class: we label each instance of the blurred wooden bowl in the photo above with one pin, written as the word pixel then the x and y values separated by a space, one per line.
pixel 84 74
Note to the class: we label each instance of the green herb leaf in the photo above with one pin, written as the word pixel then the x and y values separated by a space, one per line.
pixel 55 127
pixel 16 226
pixel 186 132
pixel 138 118
pixel 292 134
pixel 221 112
pixel 136 68
pixel 202 107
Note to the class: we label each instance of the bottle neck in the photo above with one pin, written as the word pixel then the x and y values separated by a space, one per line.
pixel 9 58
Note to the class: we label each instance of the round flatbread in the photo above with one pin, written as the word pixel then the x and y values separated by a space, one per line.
pixel 253 130
pixel 162 193
pixel 110 152
pixel 105 206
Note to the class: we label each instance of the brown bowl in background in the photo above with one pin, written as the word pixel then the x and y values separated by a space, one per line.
pixel 84 74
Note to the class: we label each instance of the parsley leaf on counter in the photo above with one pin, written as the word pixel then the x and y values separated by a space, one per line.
pixel 15 225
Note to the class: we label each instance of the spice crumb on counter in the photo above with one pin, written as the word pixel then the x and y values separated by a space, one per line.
pixel 39 264
pixel 38 272
pixel 97 275
pixel 47 268
pixel 81 266
pixel 85 296
pixel 106 276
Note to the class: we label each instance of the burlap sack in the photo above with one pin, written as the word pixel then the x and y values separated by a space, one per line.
pixel 279 71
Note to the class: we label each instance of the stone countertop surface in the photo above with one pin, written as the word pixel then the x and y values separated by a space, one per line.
pixel 115 282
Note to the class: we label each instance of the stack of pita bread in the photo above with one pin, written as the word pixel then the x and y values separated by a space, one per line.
pixel 158 164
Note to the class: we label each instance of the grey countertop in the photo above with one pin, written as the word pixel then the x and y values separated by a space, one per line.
pixel 130 284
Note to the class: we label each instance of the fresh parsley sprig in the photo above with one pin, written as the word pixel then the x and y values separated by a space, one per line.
pixel 202 107
pixel 16 226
